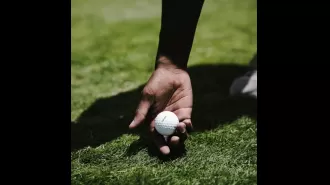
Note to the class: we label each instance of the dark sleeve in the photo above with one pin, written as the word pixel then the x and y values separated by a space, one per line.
pixel 178 25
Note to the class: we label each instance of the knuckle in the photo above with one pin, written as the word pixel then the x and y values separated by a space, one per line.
pixel 188 123
pixel 147 92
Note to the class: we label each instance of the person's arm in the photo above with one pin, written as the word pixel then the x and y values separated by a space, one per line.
pixel 169 87
pixel 178 25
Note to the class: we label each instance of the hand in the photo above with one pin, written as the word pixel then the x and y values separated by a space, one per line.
pixel 168 89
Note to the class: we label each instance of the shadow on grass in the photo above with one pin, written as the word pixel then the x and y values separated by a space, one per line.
pixel 108 118
pixel 143 142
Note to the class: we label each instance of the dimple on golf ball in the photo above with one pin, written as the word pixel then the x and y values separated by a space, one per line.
pixel 166 123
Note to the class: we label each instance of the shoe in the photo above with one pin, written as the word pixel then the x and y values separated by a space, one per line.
pixel 245 85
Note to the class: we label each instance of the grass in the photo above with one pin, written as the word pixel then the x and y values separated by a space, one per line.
pixel 113 48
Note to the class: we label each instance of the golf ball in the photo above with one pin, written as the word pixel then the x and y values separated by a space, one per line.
pixel 166 123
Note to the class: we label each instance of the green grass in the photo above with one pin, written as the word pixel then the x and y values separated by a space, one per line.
pixel 113 49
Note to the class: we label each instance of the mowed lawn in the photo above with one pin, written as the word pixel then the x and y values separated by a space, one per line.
pixel 114 43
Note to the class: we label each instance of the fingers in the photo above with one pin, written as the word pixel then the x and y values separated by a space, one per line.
pixel 181 128
pixel 142 110
pixel 184 115
pixel 160 143
pixel 188 124
pixel 175 140
pixel 140 113
pixel 159 139
pixel 181 133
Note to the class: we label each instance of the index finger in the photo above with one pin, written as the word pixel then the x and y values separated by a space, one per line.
pixel 141 111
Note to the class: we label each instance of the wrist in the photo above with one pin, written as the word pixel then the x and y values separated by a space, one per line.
pixel 167 63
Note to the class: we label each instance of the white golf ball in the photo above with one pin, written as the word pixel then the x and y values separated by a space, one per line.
pixel 166 123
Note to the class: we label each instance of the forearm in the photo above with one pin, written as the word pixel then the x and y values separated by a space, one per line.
pixel 178 26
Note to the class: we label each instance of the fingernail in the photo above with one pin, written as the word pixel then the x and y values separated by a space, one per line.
pixel 175 140
pixel 132 124
pixel 183 131
pixel 165 150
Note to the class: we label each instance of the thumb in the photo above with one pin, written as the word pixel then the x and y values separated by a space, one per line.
pixel 141 111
